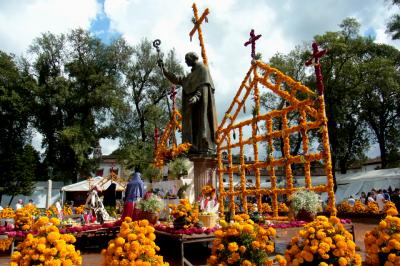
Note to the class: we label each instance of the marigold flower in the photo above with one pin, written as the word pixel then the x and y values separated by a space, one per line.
pixel 233 246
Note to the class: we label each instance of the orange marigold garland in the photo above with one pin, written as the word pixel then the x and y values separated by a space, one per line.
pixel 47 247
pixel 323 242
pixel 312 117
pixel 134 245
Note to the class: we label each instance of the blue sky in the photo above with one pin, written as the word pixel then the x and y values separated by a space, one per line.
pixel 100 26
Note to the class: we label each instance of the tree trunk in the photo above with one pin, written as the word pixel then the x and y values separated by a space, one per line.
pixel 343 166
pixel 382 148
pixel 9 203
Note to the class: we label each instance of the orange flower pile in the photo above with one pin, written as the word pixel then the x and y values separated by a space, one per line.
pixel 243 243
pixel 389 205
pixel 185 215
pixel 52 211
pixel 372 207
pixel 24 218
pixel 323 242
pixel 7 213
pixel 383 242
pixel 134 245
pixel 6 243
pixel 67 210
pixel 345 206
pixel 312 117
pixel 80 209
pixel 48 247
pixel 283 207
pixel 266 208
pixel 359 207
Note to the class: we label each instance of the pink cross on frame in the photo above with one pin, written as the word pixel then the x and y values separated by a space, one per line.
pixel 314 60
pixel 172 94
pixel 252 41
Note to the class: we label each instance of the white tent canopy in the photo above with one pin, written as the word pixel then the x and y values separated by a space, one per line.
pixel 86 185
pixel 354 184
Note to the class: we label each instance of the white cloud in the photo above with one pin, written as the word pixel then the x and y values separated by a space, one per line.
pixel 22 21
pixel 283 24
pixel 108 145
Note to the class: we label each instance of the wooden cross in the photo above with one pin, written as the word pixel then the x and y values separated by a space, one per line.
pixel 314 60
pixel 252 41
pixel 197 22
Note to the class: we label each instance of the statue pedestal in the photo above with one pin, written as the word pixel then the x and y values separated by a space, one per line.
pixel 204 172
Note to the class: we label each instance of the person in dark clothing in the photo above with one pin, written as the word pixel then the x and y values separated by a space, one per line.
pixel 386 195
pixel 134 191
pixel 110 195
pixel 396 198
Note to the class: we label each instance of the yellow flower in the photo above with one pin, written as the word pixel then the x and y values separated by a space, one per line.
pixel 342 261
pixel 232 247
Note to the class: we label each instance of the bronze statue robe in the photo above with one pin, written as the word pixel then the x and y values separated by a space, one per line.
pixel 199 120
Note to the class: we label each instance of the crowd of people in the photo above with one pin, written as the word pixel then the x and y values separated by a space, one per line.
pixel 380 196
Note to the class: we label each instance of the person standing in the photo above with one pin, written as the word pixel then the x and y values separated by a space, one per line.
pixel 380 199
pixel 351 201
pixel 370 197
pixel 363 198
pixel 19 204
pixel 134 191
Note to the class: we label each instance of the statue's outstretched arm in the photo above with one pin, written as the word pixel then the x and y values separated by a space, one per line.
pixel 177 80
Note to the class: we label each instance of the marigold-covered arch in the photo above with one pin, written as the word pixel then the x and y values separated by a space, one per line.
pixel 310 108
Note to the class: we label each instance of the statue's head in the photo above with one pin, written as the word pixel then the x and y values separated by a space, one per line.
pixel 191 58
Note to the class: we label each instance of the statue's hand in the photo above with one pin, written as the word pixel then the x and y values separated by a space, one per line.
pixel 193 100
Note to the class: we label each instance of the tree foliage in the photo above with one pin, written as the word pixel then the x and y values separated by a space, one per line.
pixel 149 106
pixel 393 26
pixel 343 78
pixel 361 91
pixel 379 101
pixel 79 94
pixel 18 161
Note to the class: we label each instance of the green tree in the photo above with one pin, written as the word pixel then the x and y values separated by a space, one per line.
pixel 20 170
pixel 380 100
pixel 393 26
pixel 148 102
pixel 343 79
pixel 17 160
pixel 79 94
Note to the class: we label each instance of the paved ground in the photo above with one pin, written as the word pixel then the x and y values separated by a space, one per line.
pixel 93 258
